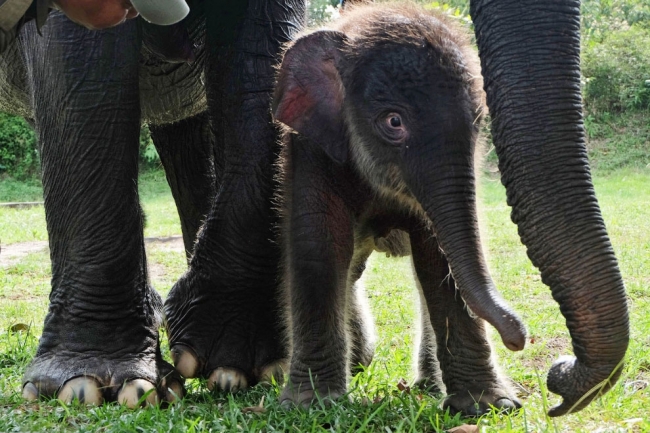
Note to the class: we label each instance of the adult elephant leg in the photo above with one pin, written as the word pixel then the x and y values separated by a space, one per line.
pixel 530 57
pixel 100 337
pixel 463 351
pixel 223 315
pixel 186 153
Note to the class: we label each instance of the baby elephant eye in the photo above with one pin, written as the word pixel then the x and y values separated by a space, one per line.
pixel 392 128
pixel 395 121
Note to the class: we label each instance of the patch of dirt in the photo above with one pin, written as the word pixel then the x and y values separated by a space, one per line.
pixel 174 242
pixel 22 205
pixel 543 351
pixel 633 386
pixel 551 349
pixel 24 297
pixel 14 253
pixel 170 243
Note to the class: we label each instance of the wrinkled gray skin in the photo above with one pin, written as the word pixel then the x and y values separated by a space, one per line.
pixel 384 110
pixel 352 179
pixel 531 68
pixel 82 92
pixel 86 94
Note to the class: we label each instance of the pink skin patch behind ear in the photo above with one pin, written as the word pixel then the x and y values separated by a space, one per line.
pixel 294 106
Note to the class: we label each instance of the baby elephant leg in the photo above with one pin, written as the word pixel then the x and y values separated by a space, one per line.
pixel 361 327
pixel 429 376
pixel 319 245
pixel 470 376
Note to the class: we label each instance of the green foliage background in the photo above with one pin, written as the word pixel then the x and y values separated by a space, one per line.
pixel 19 150
pixel 18 154
pixel 616 55
pixel 616 88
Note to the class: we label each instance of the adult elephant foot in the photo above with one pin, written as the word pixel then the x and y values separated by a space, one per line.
pixel 224 318
pixel 96 362
pixel 233 340
pixel 102 381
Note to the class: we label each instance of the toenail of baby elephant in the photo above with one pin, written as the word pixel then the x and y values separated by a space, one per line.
pixel 506 405
pixel 133 391
pixel 185 361
pixel 227 379
pixel 30 392
pixel 273 372
pixel 84 389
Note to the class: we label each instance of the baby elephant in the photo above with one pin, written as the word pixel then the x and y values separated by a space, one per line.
pixel 384 111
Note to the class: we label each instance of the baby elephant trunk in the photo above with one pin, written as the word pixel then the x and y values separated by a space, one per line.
pixel 448 196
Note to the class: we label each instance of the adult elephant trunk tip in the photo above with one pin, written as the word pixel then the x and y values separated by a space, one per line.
pixel 566 372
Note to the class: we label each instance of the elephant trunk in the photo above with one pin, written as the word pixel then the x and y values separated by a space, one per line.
pixel 530 57
pixel 447 195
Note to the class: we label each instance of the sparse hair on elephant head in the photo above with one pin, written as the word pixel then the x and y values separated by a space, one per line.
pixel 322 67
pixel 383 112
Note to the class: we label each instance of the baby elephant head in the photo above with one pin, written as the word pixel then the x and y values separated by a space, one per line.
pixel 399 97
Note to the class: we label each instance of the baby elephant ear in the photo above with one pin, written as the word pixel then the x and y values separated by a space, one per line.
pixel 309 93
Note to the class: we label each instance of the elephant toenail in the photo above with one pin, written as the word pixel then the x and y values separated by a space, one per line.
pixel 226 379
pixel 475 409
pixel 133 391
pixel 83 389
pixel 174 391
pixel 506 405
pixel 185 362
pixel 30 392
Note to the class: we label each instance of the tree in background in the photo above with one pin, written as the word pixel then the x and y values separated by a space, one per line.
pixel 616 55
pixel 18 154
pixel 615 68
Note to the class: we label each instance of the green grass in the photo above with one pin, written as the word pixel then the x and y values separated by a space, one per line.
pixel 376 404
pixel 618 140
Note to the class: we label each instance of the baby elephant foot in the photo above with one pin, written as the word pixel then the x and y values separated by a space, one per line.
pixel 303 395
pixel 432 386
pixel 477 403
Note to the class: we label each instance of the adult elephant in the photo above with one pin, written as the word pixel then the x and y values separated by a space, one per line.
pixel 87 93
pixel 221 313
